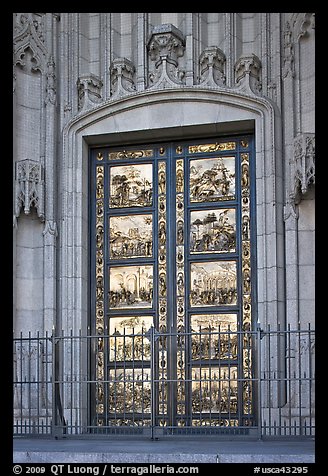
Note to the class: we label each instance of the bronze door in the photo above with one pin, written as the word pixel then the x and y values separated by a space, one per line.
pixel 173 226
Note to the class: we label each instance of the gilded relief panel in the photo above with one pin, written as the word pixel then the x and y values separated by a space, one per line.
pixel 131 236
pixel 131 287
pixel 127 341
pixel 213 231
pixel 131 186
pixel 213 283
pixel 214 390
pixel 214 336
pixel 129 390
pixel 212 179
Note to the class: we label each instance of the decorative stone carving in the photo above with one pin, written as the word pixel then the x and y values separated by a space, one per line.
pixel 212 64
pixel 29 188
pixel 29 42
pixel 50 229
pixel 302 166
pixel 165 46
pixel 288 58
pixel 51 82
pixel 122 73
pixel 89 91
pixel 306 24
pixel 248 73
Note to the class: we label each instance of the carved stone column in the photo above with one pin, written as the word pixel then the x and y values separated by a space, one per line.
pixel 89 91
pixel 122 73
pixel 248 74
pixel 166 45
pixel 212 67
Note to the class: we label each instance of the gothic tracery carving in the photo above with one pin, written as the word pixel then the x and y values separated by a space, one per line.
pixel 29 41
pixel 302 165
pixel 29 188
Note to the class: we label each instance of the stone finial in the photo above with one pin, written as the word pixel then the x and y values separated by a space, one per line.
pixel 166 45
pixel 212 64
pixel 122 73
pixel 248 73
pixel 89 91
pixel 29 188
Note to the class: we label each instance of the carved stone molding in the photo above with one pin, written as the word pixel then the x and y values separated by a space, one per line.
pixel 248 73
pixel 29 188
pixel 302 166
pixel 89 91
pixel 165 46
pixel 50 82
pixel 50 229
pixel 122 73
pixel 29 42
pixel 212 67
pixel 288 53
pixel 306 24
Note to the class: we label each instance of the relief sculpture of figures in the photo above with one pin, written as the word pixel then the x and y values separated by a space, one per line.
pixel 213 283
pixel 131 186
pixel 130 236
pixel 131 287
pixel 213 231
pixel 212 179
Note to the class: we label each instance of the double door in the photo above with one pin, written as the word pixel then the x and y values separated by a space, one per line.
pixel 172 283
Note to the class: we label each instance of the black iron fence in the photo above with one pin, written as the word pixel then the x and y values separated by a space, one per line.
pixel 222 381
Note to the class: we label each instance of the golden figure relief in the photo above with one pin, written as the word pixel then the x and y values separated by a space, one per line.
pixel 212 179
pixel 131 154
pixel 213 283
pixel 214 336
pixel 131 236
pixel 127 340
pixel 100 283
pixel 129 391
pixel 213 231
pixel 212 147
pixel 131 287
pixel 214 389
pixel 131 186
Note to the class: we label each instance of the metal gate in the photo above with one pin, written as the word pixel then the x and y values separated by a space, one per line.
pixel 54 394
pixel 171 249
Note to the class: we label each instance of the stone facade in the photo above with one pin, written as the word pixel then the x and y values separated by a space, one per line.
pixel 82 79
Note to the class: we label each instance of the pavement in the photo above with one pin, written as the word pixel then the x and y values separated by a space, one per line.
pixel 175 449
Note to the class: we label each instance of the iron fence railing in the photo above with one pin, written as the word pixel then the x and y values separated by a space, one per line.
pixel 256 383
